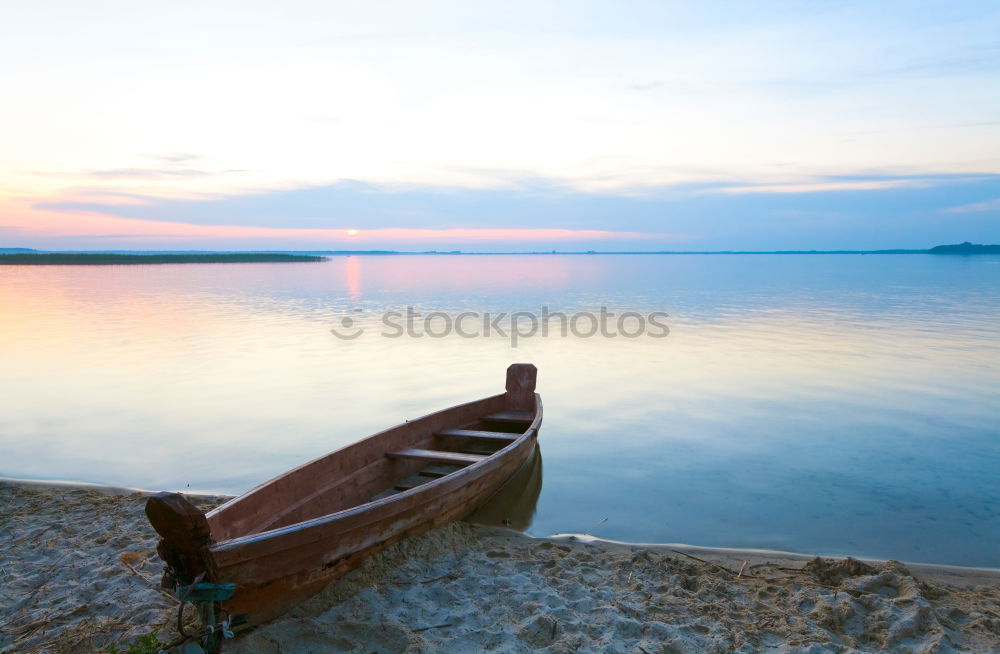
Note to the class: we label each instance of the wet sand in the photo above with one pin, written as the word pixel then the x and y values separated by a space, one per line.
pixel 79 572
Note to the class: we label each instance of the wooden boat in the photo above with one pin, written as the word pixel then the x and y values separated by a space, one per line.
pixel 287 538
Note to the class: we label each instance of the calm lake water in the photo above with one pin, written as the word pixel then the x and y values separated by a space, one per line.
pixel 837 404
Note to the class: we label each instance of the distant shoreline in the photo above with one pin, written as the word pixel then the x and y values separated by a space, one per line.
pixel 27 256
pixel 96 259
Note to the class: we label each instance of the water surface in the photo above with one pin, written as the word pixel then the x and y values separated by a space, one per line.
pixel 839 404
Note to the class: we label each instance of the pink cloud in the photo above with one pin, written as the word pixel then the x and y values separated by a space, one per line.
pixel 29 221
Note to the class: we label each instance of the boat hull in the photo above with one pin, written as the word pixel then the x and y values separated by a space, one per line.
pixel 286 539
pixel 275 575
pixel 277 569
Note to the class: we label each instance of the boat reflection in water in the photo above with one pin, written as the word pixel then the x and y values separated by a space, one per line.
pixel 514 505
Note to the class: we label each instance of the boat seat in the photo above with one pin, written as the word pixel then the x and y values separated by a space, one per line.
pixel 516 417
pixel 412 482
pixel 439 470
pixel 435 455
pixel 478 434
pixel 479 452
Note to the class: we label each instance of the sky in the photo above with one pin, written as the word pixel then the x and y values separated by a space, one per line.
pixel 622 126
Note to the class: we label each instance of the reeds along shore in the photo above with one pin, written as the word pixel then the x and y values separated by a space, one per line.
pixel 79 573
pixel 93 259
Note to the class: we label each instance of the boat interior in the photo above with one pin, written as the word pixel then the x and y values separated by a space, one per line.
pixel 389 463
pixel 376 468
pixel 454 449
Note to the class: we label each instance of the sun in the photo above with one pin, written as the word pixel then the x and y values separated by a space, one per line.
pixel 352 232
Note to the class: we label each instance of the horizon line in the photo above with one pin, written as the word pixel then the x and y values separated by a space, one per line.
pixel 331 252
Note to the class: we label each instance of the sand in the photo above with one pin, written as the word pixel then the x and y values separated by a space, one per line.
pixel 78 572
pixel 78 569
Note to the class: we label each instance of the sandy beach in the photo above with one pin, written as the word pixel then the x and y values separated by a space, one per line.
pixel 79 573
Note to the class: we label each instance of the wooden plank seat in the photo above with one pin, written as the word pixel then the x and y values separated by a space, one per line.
pixel 516 417
pixel 430 473
pixel 412 482
pixel 479 434
pixel 479 452
pixel 436 456
pixel 440 470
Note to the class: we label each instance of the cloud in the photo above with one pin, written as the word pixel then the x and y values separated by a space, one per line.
pixel 976 207
pixel 175 157
pixel 350 203
pixel 821 187
pixel 395 235
pixel 142 174
pixel 857 212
